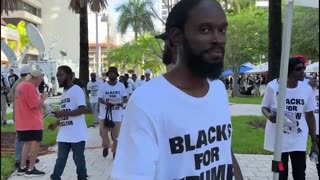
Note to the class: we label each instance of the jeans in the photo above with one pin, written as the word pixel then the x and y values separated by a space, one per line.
pixel 78 157
pixel 18 149
pixel 298 163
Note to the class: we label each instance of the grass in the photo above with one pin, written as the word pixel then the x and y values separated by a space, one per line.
pixel 7 166
pixel 246 99
pixel 247 139
pixel 49 138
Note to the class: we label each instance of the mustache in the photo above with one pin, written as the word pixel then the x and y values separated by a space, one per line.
pixel 215 47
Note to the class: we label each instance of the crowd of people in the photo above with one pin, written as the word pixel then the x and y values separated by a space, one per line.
pixel 174 126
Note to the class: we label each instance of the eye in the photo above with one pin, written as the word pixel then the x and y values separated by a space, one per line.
pixel 223 30
pixel 204 29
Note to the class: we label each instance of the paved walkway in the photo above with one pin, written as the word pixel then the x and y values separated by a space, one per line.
pixel 254 167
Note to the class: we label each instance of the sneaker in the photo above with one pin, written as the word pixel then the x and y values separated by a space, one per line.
pixel 21 172
pixel 17 164
pixel 34 172
pixel 105 152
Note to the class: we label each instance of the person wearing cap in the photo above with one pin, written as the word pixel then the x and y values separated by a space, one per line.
pixel 147 74
pixel 187 133
pixel 25 70
pixel 28 120
pixel 112 95
pixel 299 120
pixel 93 87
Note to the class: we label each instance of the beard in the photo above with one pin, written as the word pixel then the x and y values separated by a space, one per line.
pixel 198 66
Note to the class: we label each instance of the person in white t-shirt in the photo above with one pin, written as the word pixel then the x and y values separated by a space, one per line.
pixel 299 120
pixel 147 74
pixel 72 133
pixel 178 125
pixel 93 88
pixel 112 95
pixel 314 83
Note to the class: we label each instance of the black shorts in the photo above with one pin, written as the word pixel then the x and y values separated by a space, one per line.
pixel 32 135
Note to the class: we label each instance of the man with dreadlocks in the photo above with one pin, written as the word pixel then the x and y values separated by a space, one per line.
pixel 187 133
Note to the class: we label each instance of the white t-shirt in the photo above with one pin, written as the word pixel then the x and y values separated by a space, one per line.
pixel 316 111
pixel 299 100
pixel 93 87
pixel 114 94
pixel 73 129
pixel 171 135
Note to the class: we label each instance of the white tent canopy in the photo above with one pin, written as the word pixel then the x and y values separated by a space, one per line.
pixel 249 64
pixel 261 68
pixel 314 67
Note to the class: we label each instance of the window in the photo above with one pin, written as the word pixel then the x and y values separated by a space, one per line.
pixel 21 5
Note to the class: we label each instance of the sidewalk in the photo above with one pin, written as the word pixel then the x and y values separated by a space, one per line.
pixel 253 167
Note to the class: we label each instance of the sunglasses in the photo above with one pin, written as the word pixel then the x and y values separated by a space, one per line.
pixel 300 68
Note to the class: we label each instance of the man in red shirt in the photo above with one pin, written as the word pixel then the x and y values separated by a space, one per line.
pixel 28 120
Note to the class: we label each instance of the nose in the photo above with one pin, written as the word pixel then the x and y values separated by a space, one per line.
pixel 217 37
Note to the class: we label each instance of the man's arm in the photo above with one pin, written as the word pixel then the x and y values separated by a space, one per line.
pixel 311 121
pixel 268 114
pixel 77 112
pixel 236 167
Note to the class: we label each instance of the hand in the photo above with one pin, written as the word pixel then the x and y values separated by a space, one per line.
pixel 313 82
pixel 43 95
pixel 272 117
pixel 59 114
pixel 54 125
pixel 315 148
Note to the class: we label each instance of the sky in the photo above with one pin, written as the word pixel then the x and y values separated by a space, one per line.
pixel 113 16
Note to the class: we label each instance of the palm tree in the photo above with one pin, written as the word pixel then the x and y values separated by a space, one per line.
pixel 80 7
pixel 274 49
pixel 137 14
pixel 8 5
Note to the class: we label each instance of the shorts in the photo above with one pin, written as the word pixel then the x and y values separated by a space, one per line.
pixel 31 135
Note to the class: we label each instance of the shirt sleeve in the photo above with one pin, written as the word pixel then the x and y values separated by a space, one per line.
pixel 269 97
pixel 138 135
pixel 311 101
pixel 80 98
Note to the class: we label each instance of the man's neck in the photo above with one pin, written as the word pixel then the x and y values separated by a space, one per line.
pixel 93 80
pixel 68 86
pixel 181 77
pixel 112 83
pixel 292 83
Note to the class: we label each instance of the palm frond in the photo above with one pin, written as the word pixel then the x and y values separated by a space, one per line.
pixel 98 5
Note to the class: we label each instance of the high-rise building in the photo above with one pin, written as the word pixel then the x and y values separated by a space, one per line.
pixel 30 12
pixel 166 6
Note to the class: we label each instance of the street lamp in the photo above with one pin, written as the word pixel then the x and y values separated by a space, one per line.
pixel 105 18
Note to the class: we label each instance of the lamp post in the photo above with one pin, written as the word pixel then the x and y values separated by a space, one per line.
pixel 96 64
pixel 105 18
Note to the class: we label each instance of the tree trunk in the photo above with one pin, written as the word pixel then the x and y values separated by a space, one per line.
pixel 275 30
pixel 84 47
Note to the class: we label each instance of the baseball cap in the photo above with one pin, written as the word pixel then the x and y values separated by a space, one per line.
pixel 25 69
pixel 36 73
pixel 163 36
pixel 302 57
pixel 113 69
pixel 148 71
